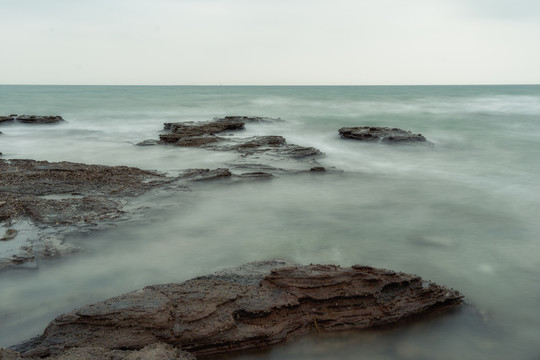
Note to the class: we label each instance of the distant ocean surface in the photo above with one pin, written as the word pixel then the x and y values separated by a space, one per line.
pixel 464 213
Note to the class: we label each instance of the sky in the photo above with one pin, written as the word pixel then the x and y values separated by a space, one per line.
pixel 269 42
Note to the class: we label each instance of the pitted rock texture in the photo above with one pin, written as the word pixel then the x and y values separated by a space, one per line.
pixel 383 135
pixel 250 307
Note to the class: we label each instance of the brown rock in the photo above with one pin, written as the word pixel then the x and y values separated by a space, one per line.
pixel 250 307
pixel 205 174
pixel 5 119
pixel 38 119
pixel 383 135
pixel 157 351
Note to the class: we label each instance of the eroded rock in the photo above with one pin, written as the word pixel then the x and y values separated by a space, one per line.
pixel 256 305
pixel 383 135
pixel 262 151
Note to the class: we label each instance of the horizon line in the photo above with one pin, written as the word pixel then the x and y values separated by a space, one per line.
pixel 278 85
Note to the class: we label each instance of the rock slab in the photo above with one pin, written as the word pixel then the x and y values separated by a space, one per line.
pixel 250 307
pixel 383 135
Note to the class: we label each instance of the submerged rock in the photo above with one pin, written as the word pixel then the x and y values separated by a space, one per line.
pixel 383 135
pixel 61 195
pixel 246 119
pixel 250 307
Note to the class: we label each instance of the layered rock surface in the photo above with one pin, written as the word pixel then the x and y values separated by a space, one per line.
pixel 383 135
pixel 255 152
pixel 256 305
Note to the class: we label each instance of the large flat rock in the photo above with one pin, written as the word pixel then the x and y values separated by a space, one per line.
pixel 251 307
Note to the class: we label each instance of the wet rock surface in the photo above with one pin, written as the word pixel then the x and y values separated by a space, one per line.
pixel 32 119
pixel 384 135
pixel 38 199
pixel 158 351
pixel 259 151
pixel 250 307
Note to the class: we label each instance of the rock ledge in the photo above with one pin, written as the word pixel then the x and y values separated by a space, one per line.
pixel 250 307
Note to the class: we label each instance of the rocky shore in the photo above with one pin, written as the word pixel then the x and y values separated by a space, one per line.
pixel 250 307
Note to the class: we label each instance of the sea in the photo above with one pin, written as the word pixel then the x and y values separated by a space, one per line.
pixel 464 212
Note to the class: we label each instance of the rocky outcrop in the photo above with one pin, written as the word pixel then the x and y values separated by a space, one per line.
pixel 43 195
pixel 40 198
pixel 383 135
pixel 32 119
pixel 254 306
pixel 259 152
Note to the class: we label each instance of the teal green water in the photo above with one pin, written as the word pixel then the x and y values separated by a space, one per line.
pixel 463 213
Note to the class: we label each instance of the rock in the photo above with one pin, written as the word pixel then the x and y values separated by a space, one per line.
pixel 6 354
pixel 39 119
pixel 383 135
pixel 157 351
pixel 185 129
pixel 5 119
pixel 256 175
pixel 317 169
pixel 254 306
pixel 148 142
pixel 64 196
pixel 192 141
pixel 10 234
pixel 205 174
pixel 264 151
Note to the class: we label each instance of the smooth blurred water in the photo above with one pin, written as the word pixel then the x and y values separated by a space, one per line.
pixel 463 213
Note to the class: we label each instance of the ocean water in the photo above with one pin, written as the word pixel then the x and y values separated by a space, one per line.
pixel 464 213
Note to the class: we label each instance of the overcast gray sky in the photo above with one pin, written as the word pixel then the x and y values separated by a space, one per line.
pixel 269 42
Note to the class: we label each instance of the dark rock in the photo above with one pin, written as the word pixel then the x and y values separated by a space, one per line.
pixel 39 119
pixel 149 142
pixel 256 175
pixel 64 196
pixel 205 174
pixel 260 141
pixel 383 135
pixel 203 128
pixel 157 351
pixel 197 141
pixel 4 119
pixel 254 306
pixel 263 150
pixel 317 169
